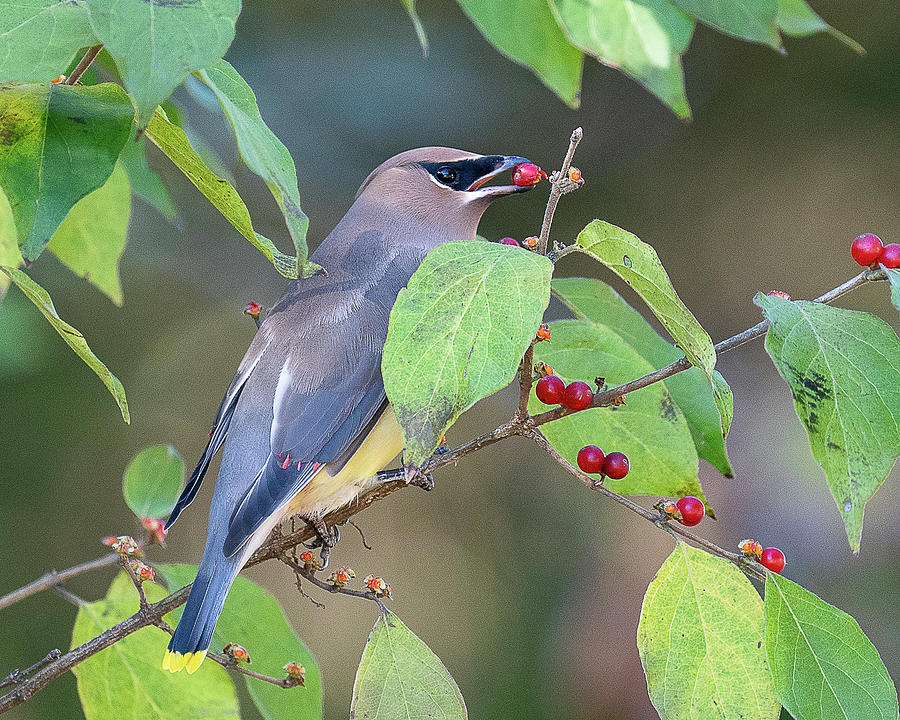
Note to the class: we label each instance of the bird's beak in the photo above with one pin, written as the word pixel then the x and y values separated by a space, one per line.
pixel 503 163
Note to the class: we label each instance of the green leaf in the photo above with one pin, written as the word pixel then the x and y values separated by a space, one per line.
pixel 157 43
pixel 253 618
pixel 638 265
pixel 174 143
pixel 39 38
pixel 126 679
pixel 752 20
pixel 57 144
pixel 893 275
pixel 144 181
pixel 457 333
pixel 400 677
pixel 797 18
pixel 526 32
pixel 649 428
pixel 843 368
pixel 691 390
pixel 153 481
pixel 643 38
pixel 73 338
pixel 92 237
pixel 823 666
pixel 262 151
pixel 410 6
pixel 9 248
pixel 700 639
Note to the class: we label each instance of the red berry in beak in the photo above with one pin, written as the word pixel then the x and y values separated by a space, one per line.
pixel 527 174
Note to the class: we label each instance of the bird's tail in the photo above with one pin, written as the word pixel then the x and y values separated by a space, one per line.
pixel 189 644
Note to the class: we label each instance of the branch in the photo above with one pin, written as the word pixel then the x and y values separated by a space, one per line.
pixel 661 521
pixel 608 397
pixel 85 63
pixel 310 575
pixel 558 184
pixel 52 578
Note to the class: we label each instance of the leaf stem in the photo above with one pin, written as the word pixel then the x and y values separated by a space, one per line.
pixel 84 64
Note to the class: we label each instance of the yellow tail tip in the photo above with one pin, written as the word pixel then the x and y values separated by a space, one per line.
pixel 174 661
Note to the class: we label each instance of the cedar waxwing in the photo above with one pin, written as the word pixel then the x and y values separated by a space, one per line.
pixel 307 421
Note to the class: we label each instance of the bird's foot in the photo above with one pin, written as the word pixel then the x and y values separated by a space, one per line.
pixel 414 476
pixel 325 539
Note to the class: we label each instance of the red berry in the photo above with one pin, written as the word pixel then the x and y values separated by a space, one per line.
pixel 590 459
pixel 779 293
pixel 773 559
pixel 509 241
pixel 550 390
pixel 692 510
pixel 890 256
pixel 527 174
pixel 616 465
pixel 866 248
pixel 578 395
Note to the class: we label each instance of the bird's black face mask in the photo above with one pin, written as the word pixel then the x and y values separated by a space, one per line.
pixel 470 174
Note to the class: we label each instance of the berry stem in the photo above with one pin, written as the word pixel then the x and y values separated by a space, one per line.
pixel 558 184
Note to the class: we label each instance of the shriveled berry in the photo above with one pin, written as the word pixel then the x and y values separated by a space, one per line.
pixel 59 79
pixel 509 241
pixel 550 390
pixel 890 256
pixel 578 395
pixel 575 174
pixel 616 465
pixel 773 559
pixel 778 293
pixel 866 248
pixel 590 459
pixel 295 671
pixel 543 332
pixel 531 242
pixel 527 174
pixel 378 586
pixel 692 510
pixel 238 652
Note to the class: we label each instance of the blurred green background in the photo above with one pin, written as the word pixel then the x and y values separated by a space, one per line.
pixel 526 585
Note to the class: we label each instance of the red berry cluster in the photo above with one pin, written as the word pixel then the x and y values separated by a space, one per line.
pixel 592 460
pixel 867 249
pixel 577 395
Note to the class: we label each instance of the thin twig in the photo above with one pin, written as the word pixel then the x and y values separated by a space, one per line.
pixel 68 595
pixel 85 63
pixel 334 589
pixel 125 562
pixel 558 183
pixel 55 577
pixel 655 518
pixel 17 675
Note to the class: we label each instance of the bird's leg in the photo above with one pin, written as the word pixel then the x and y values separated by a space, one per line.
pixel 325 538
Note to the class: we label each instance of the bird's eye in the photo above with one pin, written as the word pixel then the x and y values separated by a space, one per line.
pixel 446 175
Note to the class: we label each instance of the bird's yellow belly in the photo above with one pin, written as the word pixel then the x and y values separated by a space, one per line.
pixel 326 492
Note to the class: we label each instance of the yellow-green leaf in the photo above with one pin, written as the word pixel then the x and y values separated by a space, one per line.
pixel 59 143
pixel 823 665
pixel 126 680
pixel 153 480
pixel 174 143
pixel 645 39
pixel 39 38
pixel 157 43
pixel 9 248
pixel 400 677
pixel 843 368
pixel 797 18
pixel 73 338
pixel 263 152
pixel 91 239
pixel 638 265
pixel 752 20
pixel 649 428
pixel 700 638
pixel 410 6
pixel 893 275
pixel 526 32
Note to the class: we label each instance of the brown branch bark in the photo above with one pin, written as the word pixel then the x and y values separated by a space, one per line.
pixel 84 64
pixel 54 577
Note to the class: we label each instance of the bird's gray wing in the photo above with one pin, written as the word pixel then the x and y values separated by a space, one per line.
pixel 220 426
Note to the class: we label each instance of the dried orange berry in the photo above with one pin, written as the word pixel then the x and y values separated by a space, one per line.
pixel 575 175
pixel 295 671
pixel 58 79
pixel 341 577
pixel 543 332
pixel 238 652
pixel 531 242
pixel 378 586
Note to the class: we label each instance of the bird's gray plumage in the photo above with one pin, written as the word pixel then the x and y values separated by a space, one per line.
pixel 309 387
